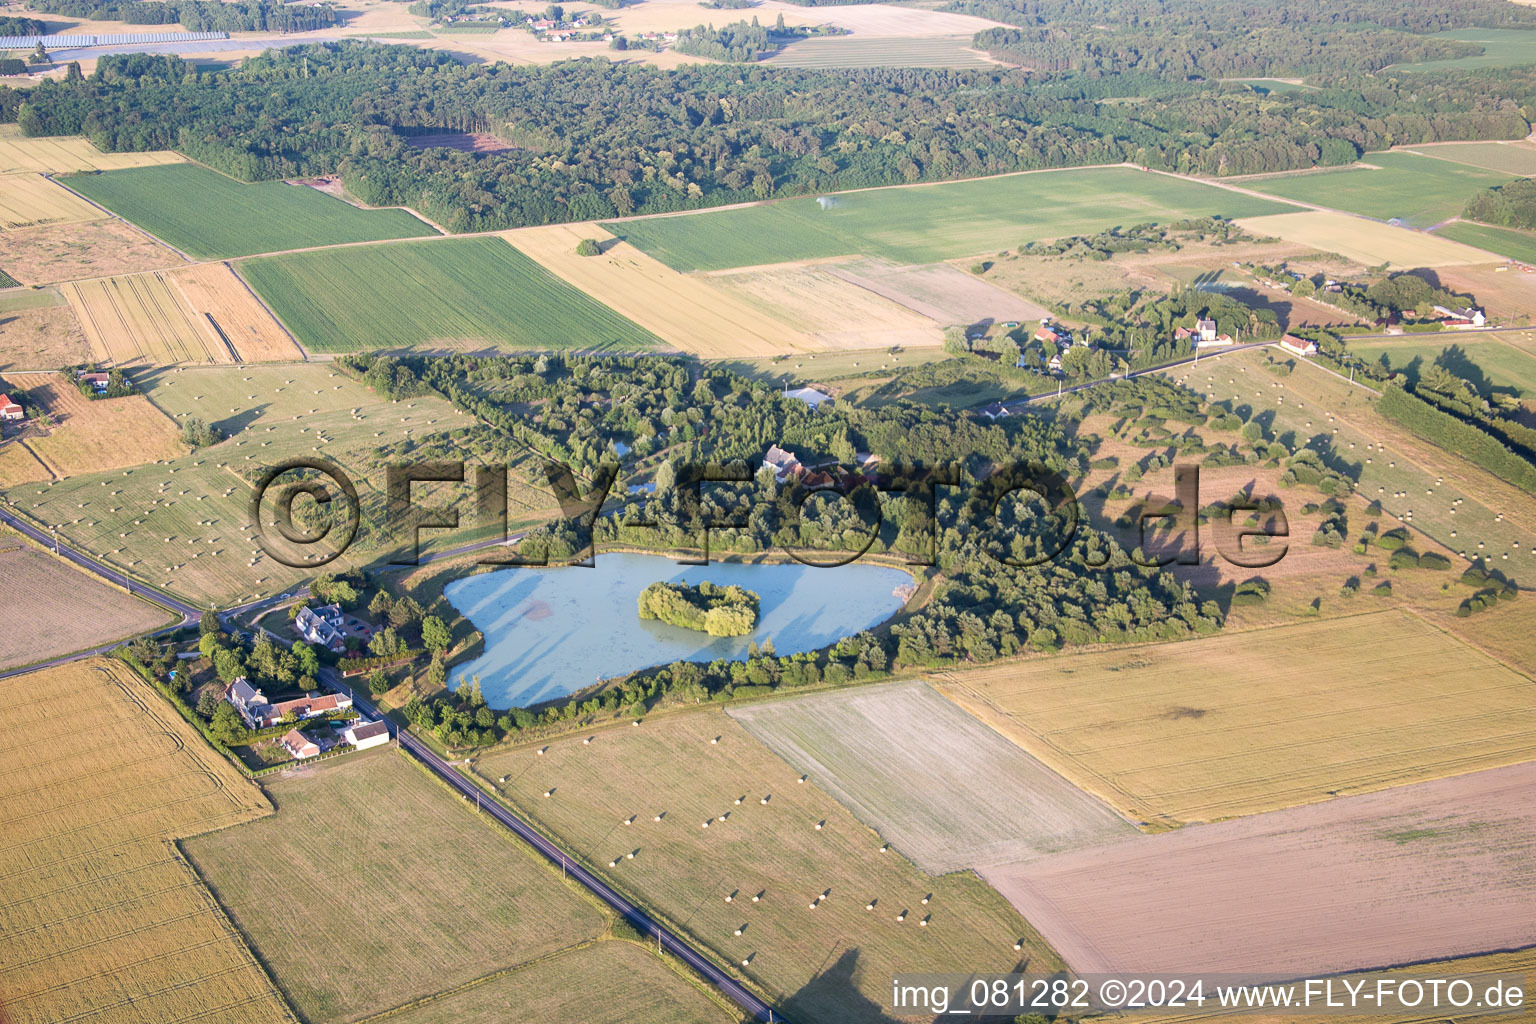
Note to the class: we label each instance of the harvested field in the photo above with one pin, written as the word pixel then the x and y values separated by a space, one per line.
pixel 1504 157
pixel 463 142
pixel 104 922
pixel 931 223
pixel 218 296
pixel 949 792
pixel 398 874
pixel 143 318
pixel 209 216
pixel 692 313
pixel 89 436
pixel 69 252
pixel 1507 295
pixel 1399 185
pixel 636 986
pixel 39 331
pixel 1413 874
pixel 1254 721
pixel 827 966
pixel 943 293
pixel 27 200
pixel 836 314
pixel 51 608
pixel 18 465
pixel 1368 241
pixel 461 293
pixel 861 51
pixel 63 154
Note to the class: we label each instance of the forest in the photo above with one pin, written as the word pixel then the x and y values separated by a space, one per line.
pixel 1512 205
pixel 1231 38
pixel 594 139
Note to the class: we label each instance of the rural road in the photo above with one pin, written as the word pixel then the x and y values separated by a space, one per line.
pixel 636 916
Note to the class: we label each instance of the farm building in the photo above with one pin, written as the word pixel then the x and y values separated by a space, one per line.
pixel 10 410
pixel 259 714
pixel 1300 346
pixel 368 734
pixel 810 396
pixel 1469 317
pixel 299 745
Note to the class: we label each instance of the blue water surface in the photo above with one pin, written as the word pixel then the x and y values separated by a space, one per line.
pixel 551 632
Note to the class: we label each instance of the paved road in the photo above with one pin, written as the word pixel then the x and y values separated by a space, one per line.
pixel 636 916
pixel 1138 373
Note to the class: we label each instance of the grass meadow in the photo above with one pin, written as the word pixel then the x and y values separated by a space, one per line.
pixel 1419 190
pixel 929 223
pixel 374 886
pixel 1509 243
pixel 830 965
pixel 1502 48
pixel 1504 157
pixel 1263 719
pixel 104 922
pixel 470 293
pixel 1500 363
pixel 208 215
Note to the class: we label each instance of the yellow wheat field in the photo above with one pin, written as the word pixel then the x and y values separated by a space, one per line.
pixel 27 200
pixel 103 920
pixel 1368 241
pixel 838 314
pixel 221 300
pixel 685 310
pixel 88 436
pixel 69 153
pixel 143 318
pixel 1249 722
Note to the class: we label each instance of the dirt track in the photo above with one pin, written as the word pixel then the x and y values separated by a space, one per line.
pixel 1417 873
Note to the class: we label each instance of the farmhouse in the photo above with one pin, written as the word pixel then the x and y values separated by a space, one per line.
pixel 785 464
pixel 996 411
pixel 368 734
pixel 1300 346
pixel 259 714
pixel 1206 329
pixel 10 410
pixel 98 381
pixel 1469 317
pixel 324 626
pixel 299 745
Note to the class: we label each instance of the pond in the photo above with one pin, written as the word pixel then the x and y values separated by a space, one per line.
pixel 550 632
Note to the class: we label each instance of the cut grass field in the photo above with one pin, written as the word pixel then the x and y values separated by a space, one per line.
pixel 223 301
pixel 932 223
pixel 58 609
pixel 1369 242
pixel 31 199
pixel 1508 243
pixel 38 331
pixel 1409 875
pixel 831 965
pixel 64 154
pixel 1253 721
pixel 1418 190
pixel 407 892
pixel 949 792
pixel 1504 157
pixel 179 524
pixel 89 436
pixel 943 293
pixel 104 922
pixel 687 311
pixel 470 293
pixel 210 216
pixel 1502 48
pixel 876 52
pixel 143 319
pixel 836 313
pixel 1498 360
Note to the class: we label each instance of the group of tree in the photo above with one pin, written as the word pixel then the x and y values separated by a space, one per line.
pixel 595 139
pixel 706 607
pixel 743 41
pixel 199 15
pixel 1511 205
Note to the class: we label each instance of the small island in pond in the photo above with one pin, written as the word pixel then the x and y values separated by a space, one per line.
pixel 718 611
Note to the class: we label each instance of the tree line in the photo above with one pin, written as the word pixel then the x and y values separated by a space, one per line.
pixel 199 15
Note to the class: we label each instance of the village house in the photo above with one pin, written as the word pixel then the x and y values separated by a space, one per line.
pixel 367 734
pixel 1206 329
pixel 325 626
pixel 259 714
pixel 98 381
pixel 10 410
pixel 785 464
pixel 1300 346
pixel 299 745
pixel 996 411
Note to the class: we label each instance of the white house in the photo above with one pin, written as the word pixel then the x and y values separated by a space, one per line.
pixel 1206 331
pixel 1300 346
pixel 1469 317
pixel 299 745
pixel 259 714
pixel 367 734
pixel 322 626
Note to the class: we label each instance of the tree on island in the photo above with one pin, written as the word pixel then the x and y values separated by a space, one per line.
pixel 708 608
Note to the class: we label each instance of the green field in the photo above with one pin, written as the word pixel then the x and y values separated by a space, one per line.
pixel 373 886
pixel 209 216
pixel 1505 157
pixel 1502 48
pixel 1421 191
pixel 1507 242
pixel 893 52
pixel 1498 362
pixel 466 293
pixel 925 224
